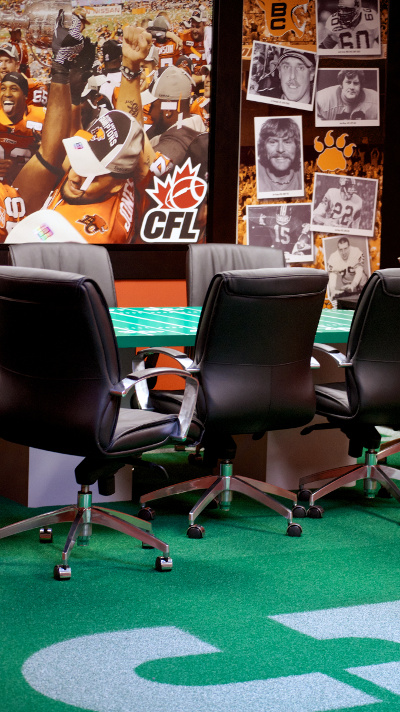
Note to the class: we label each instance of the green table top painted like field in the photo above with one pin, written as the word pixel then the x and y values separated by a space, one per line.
pixel 177 326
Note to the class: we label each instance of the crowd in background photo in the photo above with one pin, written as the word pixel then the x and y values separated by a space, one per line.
pixel 175 91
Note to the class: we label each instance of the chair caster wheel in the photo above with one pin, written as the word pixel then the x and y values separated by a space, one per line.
pixel 315 512
pixel 62 572
pixel 194 459
pixel 383 492
pixel 147 514
pixel 163 563
pixel 46 535
pixel 299 512
pixel 195 531
pixel 304 495
pixel 294 530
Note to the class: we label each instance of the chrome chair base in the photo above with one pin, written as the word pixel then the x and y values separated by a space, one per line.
pixel 82 516
pixel 371 471
pixel 221 487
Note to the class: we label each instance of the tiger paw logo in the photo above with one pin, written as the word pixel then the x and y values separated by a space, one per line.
pixel 333 153
pixel 282 17
pixel 178 198
pixel 93 224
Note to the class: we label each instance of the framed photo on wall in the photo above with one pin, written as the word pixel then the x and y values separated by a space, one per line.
pixel 282 226
pixel 348 96
pixel 348 27
pixel 283 76
pixel 347 263
pixel 279 156
pixel 344 204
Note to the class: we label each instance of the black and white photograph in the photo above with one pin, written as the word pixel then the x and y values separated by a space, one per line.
pixel 282 76
pixel 344 204
pixel 348 27
pixel 347 263
pixel 279 156
pixel 284 227
pixel 347 97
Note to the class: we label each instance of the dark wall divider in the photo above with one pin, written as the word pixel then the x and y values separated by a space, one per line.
pixel 390 243
pixel 225 121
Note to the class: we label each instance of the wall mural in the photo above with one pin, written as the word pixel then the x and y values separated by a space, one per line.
pixel 120 183
pixel 320 65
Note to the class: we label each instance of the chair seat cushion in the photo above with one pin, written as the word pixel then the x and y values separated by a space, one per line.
pixel 170 402
pixel 139 430
pixel 332 400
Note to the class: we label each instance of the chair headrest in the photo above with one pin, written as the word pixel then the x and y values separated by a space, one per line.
pixel 274 281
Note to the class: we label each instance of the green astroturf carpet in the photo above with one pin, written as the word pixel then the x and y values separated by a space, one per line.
pixel 249 619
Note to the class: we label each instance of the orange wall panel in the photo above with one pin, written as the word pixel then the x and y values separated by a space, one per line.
pixel 151 293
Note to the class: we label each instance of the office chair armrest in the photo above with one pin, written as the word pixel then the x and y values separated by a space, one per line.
pixel 335 354
pixel 179 356
pixel 138 380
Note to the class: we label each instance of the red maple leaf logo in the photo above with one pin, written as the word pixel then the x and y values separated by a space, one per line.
pixel 184 190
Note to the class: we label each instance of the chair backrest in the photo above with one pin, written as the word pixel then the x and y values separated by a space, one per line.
pixel 373 383
pixel 254 347
pixel 205 260
pixel 58 361
pixel 90 260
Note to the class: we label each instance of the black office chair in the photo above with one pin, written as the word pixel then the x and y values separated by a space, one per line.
pixel 61 391
pixel 203 261
pixel 94 262
pixel 252 358
pixel 370 395
pixel 90 260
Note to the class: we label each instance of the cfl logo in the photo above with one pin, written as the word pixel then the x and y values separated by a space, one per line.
pixel 169 226
pixel 178 199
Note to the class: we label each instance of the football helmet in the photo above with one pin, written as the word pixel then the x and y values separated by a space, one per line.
pixel 349 11
pixel 347 187
pixel 283 215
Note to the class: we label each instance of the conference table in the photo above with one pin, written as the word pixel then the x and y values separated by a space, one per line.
pixel 177 326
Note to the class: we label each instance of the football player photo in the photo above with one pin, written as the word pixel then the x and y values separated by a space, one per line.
pixel 353 27
pixel 347 97
pixel 284 227
pixel 282 76
pixel 344 204
pixel 279 157
pixel 347 264
pixel 101 175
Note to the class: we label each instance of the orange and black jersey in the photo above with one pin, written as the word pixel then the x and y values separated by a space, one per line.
pixel 110 221
pixel 195 50
pixel 38 92
pixel 20 141
pixel 12 209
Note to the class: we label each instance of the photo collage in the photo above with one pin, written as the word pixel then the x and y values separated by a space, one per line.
pixel 139 77
pixel 312 135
